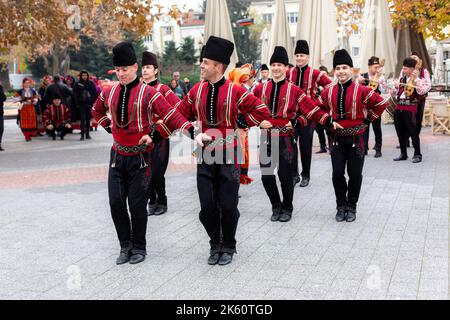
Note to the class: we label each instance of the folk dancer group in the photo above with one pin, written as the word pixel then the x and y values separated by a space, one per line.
pixel 285 108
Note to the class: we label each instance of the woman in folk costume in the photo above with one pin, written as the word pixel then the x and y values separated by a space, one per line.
pixel 240 76
pixel 26 117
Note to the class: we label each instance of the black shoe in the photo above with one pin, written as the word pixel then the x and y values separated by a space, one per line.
pixel 285 216
pixel 137 258
pixel 151 209
pixel 398 147
pixel 123 257
pixel 322 150
pixel 160 209
pixel 416 159
pixel 225 258
pixel 305 182
pixel 1 149
pixel 213 259
pixel 54 138
pixel 366 153
pixel 276 210
pixel 378 154
pixel 61 137
pixel 296 180
pixel 401 157
pixel 88 137
pixel 351 215
pixel 82 138
pixel 340 215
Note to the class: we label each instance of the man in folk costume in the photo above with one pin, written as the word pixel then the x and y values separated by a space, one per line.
pixel 287 103
pixel 364 79
pixel 218 104
pixel 160 154
pixel 309 80
pixel 353 106
pixel 57 118
pixel 27 115
pixel 264 73
pixel 425 86
pixel 131 105
pixel 405 115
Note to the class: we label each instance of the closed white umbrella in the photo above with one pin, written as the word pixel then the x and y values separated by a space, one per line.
pixel 378 35
pixel 280 35
pixel 317 25
pixel 217 23
pixel 265 46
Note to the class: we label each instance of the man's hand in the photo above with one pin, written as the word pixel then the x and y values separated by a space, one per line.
pixel 337 126
pixel 288 125
pixel 415 74
pixel 68 126
pixel 145 140
pixel 159 121
pixel 50 127
pixel 361 79
pixel 201 137
pixel 265 125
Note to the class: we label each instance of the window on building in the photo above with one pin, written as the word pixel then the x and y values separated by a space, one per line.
pixel 166 31
pixel 292 17
pixel 355 51
pixel 267 17
pixel 148 38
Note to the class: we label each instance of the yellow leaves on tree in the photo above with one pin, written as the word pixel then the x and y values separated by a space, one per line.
pixel 429 17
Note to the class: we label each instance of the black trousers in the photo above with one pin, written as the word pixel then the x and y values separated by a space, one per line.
pixel 305 142
pixel 2 126
pixel 405 125
pixel 376 126
pixel 347 153
pixel 61 129
pixel 321 134
pixel 159 162
pixel 85 117
pixel 127 184
pixel 278 152
pixel 218 188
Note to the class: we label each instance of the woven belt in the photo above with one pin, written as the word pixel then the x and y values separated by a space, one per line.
pixel 278 129
pixel 130 149
pixel 222 141
pixel 351 131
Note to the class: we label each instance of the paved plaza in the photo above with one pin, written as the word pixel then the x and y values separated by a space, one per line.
pixel 58 240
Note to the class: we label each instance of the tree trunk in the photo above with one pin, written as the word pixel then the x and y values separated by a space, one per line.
pixel 4 76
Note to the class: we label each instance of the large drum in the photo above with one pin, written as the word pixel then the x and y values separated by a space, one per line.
pixel 392 104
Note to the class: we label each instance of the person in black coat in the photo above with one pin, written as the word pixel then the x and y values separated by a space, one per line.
pixel 57 87
pixel 2 100
pixel 85 94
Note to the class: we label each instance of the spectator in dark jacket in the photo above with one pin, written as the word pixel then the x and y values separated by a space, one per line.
pixel 85 94
pixel 2 100
pixel 57 87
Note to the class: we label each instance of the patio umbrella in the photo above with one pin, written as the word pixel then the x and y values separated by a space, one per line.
pixel 378 36
pixel 217 23
pixel 407 41
pixel 280 34
pixel 317 25
pixel 265 46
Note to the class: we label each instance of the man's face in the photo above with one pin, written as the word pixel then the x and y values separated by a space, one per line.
pixel 149 72
pixel 374 69
pixel 57 102
pixel 301 59
pixel 126 74
pixel 84 76
pixel 209 69
pixel 265 74
pixel 176 76
pixel 407 71
pixel 278 70
pixel 343 72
